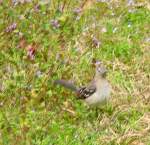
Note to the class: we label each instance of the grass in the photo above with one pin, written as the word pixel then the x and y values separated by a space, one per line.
pixel 42 42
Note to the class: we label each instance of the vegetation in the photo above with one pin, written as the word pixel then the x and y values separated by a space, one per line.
pixel 41 41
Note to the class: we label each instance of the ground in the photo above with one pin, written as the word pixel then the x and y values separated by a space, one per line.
pixel 41 41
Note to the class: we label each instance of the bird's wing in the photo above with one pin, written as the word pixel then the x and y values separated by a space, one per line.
pixel 85 92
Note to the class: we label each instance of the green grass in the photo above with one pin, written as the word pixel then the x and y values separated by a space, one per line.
pixel 34 111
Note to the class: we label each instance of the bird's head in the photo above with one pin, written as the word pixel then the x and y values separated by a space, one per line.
pixel 100 69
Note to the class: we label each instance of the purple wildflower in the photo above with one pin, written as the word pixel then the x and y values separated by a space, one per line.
pixel 55 23
pixel 12 27
pixel 130 2
pixel 37 8
pixel 16 2
pixel 77 10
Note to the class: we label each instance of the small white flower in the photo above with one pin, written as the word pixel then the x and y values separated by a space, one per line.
pixel 78 18
pixel 115 29
pixel 44 2
pixel 113 14
pixel 104 30
pixel 147 39
pixel 129 25
pixel 131 10
pixel 38 73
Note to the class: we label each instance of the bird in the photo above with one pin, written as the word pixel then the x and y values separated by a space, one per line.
pixel 94 93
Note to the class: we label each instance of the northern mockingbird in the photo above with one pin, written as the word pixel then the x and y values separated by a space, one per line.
pixel 98 90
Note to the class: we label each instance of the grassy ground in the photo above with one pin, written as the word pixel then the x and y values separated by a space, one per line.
pixel 42 42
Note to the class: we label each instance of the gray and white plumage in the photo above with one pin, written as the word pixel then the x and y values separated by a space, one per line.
pixel 98 90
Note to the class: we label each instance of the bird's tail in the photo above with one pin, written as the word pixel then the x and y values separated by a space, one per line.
pixel 66 84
